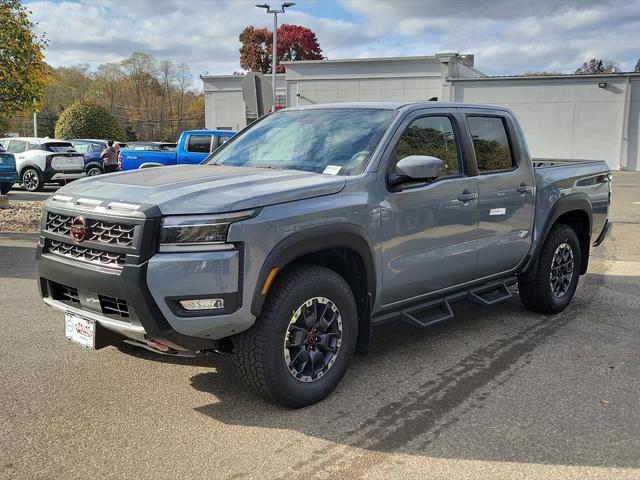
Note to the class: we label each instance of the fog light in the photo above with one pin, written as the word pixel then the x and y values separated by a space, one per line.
pixel 203 304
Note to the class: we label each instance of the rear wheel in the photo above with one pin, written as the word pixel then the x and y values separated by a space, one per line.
pixel 556 275
pixel 32 180
pixel 300 347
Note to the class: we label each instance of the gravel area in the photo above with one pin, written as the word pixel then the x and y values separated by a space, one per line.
pixel 21 217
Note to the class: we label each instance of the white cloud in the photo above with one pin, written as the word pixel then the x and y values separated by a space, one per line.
pixel 507 36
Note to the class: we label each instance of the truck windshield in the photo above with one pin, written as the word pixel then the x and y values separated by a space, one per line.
pixel 335 142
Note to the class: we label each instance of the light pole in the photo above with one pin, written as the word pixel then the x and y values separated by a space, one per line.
pixel 275 42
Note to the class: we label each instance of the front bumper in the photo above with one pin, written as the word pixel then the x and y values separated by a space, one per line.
pixel 150 315
pixel 146 284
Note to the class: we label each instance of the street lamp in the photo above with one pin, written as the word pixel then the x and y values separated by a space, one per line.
pixel 275 41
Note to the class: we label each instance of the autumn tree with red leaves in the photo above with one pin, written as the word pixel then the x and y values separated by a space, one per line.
pixel 295 42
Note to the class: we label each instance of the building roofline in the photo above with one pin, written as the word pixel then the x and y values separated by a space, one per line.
pixel 228 76
pixel 548 77
pixel 355 60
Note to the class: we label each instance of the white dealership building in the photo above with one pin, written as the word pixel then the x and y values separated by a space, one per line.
pixel 564 116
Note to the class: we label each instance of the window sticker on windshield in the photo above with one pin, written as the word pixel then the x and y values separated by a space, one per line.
pixel 332 170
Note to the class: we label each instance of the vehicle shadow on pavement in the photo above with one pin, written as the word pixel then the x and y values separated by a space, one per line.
pixel 457 390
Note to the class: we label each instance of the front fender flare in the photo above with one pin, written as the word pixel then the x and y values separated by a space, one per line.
pixel 315 240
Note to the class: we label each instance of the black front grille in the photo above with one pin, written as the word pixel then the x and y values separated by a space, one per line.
pixel 113 233
pixel 91 255
pixel 114 306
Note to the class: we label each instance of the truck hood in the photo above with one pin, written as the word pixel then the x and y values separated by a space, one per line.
pixel 197 189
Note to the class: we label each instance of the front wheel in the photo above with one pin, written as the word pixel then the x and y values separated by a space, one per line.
pixel 557 272
pixel 94 171
pixel 299 349
pixel 32 180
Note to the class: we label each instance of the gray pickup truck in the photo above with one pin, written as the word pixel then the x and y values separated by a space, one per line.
pixel 287 245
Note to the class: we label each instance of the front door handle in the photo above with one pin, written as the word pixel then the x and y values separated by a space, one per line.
pixel 524 189
pixel 467 196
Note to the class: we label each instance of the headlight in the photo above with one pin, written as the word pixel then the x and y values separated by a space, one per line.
pixel 198 232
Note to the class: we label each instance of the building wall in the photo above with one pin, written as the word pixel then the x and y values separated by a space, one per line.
pixel 569 117
pixel 305 92
pixel 364 80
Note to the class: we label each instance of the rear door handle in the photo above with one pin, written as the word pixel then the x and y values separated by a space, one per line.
pixel 524 189
pixel 467 196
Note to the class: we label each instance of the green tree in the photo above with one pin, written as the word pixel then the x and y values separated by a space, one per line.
pixel 22 68
pixel 637 69
pixel 86 119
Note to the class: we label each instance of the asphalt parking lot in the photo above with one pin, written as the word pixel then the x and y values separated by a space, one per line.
pixel 496 393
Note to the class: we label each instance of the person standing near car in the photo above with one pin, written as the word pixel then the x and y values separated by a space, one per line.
pixel 109 157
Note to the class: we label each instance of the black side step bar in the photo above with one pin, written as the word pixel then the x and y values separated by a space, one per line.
pixel 490 294
pixel 428 314
pixel 439 309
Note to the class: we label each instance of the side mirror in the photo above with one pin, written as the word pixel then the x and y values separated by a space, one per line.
pixel 416 168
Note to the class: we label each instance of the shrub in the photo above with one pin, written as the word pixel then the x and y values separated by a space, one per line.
pixel 86 119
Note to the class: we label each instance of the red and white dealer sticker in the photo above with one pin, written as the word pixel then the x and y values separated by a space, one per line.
pixel 80 330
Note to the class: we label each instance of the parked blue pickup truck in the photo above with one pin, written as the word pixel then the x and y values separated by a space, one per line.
pixel 8 172
pixel 193 147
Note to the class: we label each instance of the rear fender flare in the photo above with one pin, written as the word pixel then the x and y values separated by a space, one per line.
pixel 575 202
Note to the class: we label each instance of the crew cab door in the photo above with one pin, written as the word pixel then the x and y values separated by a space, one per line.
pixel 506 189
pixel 428 229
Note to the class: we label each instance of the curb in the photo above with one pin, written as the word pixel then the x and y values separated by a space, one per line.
pixel 30 236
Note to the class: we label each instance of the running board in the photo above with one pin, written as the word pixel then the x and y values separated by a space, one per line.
pixel 439 309
pixel 428 314
pixel 490 294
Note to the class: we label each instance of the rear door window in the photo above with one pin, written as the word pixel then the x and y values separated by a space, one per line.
pixel 199 143
pixel 491 143
pixel 82 147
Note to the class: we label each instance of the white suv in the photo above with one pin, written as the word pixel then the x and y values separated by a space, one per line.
pixel 44 160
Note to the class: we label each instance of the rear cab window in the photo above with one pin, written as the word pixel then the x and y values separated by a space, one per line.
pixel 199 143
pixel 490 143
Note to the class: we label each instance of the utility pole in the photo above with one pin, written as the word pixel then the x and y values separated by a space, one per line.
pixel 275 42
pixel 35 119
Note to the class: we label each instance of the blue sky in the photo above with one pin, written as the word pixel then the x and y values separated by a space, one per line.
pixel 506 36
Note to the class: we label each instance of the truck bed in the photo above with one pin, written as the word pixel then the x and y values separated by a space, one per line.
pixel 557 178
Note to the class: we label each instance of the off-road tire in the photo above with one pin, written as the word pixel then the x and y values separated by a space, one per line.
pixel 537 295
pixel 258 352
pixel 32 180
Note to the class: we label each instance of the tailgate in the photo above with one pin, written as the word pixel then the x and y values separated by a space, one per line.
pixel 67 161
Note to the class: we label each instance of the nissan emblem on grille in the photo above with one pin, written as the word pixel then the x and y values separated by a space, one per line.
pixel 78 229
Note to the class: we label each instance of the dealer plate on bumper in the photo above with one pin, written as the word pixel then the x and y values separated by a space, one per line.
pixel 80 330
